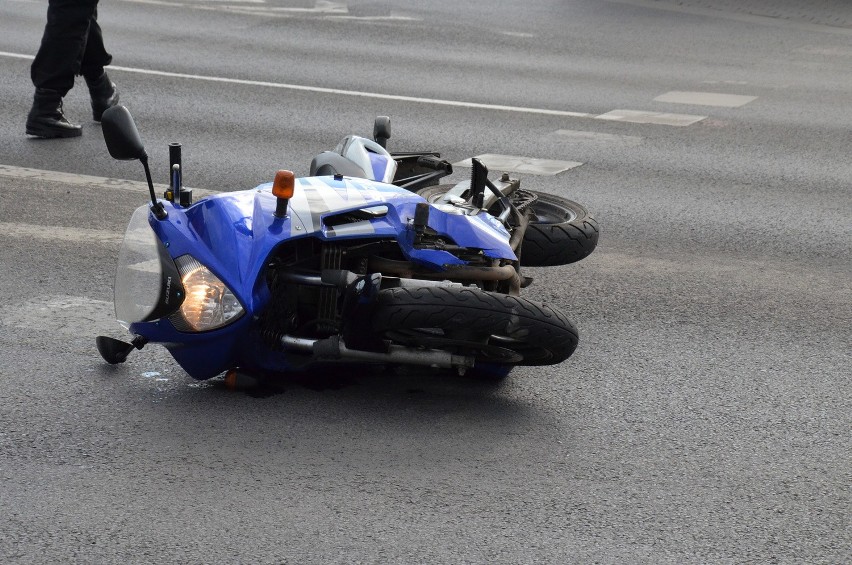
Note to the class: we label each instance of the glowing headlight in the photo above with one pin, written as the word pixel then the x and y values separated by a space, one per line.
pixel 208 304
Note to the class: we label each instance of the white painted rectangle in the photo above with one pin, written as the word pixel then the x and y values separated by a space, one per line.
pixel 596 138
pixel 705 98
pixel 517 164
pixel 59 233
pixel 661 118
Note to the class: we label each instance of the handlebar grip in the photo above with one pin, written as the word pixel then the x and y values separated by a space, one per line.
pixel 435 163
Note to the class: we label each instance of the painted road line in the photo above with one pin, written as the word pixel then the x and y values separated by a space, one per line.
pixel 59 233
pixel 618 115
pixel 517 164
pixel 359 94
pixel 73 179
pixel 327 10
pixel 705 98
pixel 735 82
pixel 713 12
pixel 521 34
pixel 633 116
pixel 337 91
pixel 660 118
pixel 596 138
pixel 250 6
pixel 832 51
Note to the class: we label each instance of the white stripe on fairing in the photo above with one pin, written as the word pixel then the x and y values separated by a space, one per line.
pixel 58 233
pixel 301 208
pixel 331 197
pixel 364 227
pixel 366 192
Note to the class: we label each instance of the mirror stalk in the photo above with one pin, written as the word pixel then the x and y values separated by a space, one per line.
pixel 157 207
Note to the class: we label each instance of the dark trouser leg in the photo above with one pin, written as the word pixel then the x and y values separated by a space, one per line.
pixel 64 44
pixel 72 44
pixel 95 56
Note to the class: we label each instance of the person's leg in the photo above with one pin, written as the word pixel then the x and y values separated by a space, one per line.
pixel 63 44
pixel 95 57
pixel 58 59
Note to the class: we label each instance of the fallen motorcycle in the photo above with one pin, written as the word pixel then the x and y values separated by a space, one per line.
pixel 367 260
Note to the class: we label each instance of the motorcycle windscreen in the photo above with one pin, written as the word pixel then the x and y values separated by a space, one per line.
pixel 147 284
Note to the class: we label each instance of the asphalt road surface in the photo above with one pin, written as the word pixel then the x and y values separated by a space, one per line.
pixel 706 415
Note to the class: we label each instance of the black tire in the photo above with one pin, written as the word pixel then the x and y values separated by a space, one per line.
pixel 495 328
pixel 564 232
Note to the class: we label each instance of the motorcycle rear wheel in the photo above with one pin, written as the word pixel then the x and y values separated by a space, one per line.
pixel 499 330
pixel 562 232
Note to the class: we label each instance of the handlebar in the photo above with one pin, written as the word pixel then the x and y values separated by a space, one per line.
pixel 435 163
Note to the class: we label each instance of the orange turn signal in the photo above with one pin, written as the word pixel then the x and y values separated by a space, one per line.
pixel 284 184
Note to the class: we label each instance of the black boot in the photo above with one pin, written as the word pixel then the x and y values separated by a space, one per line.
pixel 46 118
pixel 104 95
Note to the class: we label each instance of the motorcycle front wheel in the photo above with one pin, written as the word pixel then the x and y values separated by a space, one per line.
pixel 497 329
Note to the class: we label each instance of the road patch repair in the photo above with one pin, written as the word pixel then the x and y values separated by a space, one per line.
pixel 62 315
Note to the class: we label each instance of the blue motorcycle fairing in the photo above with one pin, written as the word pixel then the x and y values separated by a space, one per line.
pixel 233 235
pixel 316 198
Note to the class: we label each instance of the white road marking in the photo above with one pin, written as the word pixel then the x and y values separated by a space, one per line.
pixel 373 18
pixel 73 179
pixel 360 94
pixel 517 34
pixel 58 233
pixel 736 16
pixel 737 82
pixel 517 164
pixel 596 138
pixel 659 118
pixel 337 91
pixel 705 98
pixel 324 9
pixel 634 116
pixel 829 51
pixel 331 5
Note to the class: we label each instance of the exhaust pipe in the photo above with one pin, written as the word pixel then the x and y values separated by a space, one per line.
pixel 333 349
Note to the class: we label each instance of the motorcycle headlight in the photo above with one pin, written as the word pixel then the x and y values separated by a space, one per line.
pixel 209 304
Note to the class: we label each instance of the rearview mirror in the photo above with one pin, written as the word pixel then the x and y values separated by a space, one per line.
pixel 382 130
pixel 121 136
